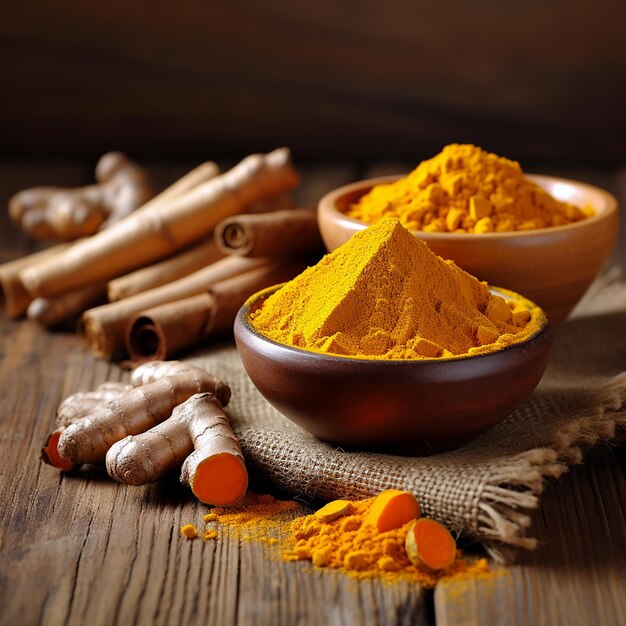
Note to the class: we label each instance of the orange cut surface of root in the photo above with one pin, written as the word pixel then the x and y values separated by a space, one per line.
pixel 430 544
pixel 50 454
pixel 391 509
pixel 221 480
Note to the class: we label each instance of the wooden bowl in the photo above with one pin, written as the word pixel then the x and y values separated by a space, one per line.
pixel 414 407
pixel 551 266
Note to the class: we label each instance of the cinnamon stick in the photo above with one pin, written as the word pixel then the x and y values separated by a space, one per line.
pixel 16 298
pixel 103 328
pixel 275 234
pixel 169 328
pixel 66 307
pixel 201 174
pixel 166 271
pixel 154 232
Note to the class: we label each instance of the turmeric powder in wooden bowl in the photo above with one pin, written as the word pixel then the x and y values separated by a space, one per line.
pixel 542 236
pixel 384 345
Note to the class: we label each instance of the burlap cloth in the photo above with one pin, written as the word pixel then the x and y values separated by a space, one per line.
pixel 487 488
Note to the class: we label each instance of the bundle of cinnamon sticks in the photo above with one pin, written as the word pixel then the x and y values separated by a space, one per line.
pixel 176 270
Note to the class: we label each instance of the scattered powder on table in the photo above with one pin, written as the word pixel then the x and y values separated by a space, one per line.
pixel 385 295
pixel 466 190
pixel 361 551
pixel 261 517
pixel 345 543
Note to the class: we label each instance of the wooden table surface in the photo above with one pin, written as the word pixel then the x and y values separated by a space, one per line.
pixel 86 550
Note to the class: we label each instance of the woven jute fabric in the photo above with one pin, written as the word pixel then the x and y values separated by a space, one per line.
pixel 486 489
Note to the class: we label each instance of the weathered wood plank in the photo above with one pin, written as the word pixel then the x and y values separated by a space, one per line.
pixel 82 548
pixel 577 574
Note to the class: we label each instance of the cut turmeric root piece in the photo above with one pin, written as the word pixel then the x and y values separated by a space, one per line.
pixel 430 545
pixel 221 479
pixel 334 510
pixel 50 454
pixel 391 509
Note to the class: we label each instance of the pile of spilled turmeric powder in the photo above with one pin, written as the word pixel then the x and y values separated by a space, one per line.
pixel 385 295
pixel 464 189
pixel 382 537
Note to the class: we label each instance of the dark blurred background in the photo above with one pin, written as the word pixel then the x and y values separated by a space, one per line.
pixel 361 80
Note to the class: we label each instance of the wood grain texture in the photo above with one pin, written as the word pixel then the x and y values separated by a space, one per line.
pixel 83 549
pixel 576 576
pixel 362 80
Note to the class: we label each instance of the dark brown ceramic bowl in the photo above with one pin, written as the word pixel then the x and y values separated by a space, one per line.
pixel 414 407
pixel 551 266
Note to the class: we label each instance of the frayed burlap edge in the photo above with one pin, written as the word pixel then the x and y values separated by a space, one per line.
pixel 514 489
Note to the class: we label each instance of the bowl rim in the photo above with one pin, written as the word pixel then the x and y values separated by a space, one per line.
pixel 328 202
pixel 243 315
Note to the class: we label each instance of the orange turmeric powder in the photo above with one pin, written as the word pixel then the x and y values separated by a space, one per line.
pixel 360 550
pixel 338 536
pixel 464 189
pixel 385 295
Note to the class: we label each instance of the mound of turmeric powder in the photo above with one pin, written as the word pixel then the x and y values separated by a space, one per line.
pixel 464 189
pixel 339 536
pixel 360 550
pixel 385 295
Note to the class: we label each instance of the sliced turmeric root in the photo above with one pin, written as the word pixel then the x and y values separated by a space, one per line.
pixel 220 479
pixel 197 435
pixel 391 509
pixel 50 454
pixel 334 510
pixel 430 545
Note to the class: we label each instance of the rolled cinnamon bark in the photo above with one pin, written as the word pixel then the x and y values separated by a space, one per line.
pixel 166 271
pixel 154 232
pixel 66 307
pixel 201 174
pixel 16 298
pixel 103 328
pixel 169 328
pixel 275 234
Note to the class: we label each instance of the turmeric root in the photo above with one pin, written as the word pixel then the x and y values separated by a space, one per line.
pixel 215 471
pixel 68 214
pixel 157 388
pixel 154 232
pixel 82 403
pixel 391 509
pixel 430 545
pixel 334 510
pixel 72 409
